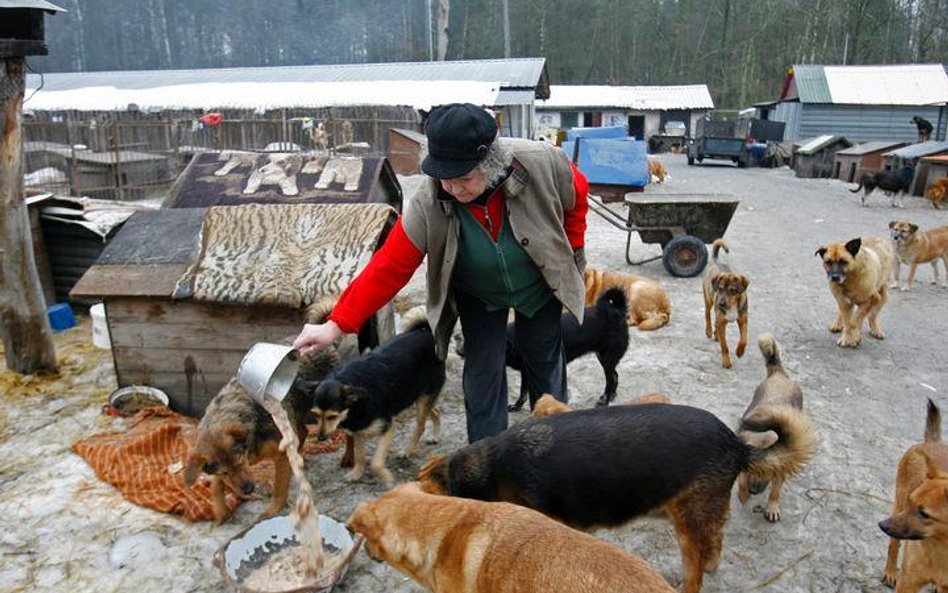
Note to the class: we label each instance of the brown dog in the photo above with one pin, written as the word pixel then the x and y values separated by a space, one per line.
pixel 648 304
pixel 456 545
pixel 726 293
pixel 657 170
pixel 938 192
pixel 777 394
pixel 920 514
pixel 548 405
pixel 859 272
pixel 914 247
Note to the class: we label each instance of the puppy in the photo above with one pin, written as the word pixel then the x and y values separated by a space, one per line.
pixel 363 396
pixel 236 432
pixel 656 170
pixel 450 545
pixel 914 247
pixel 894 183
pixel 649 307
pixel 548 405
pixel 726 293
pixel 938 192
pixel 777 390
pixel 859 272
pixel 920 514
pixel 602 331
pixel 279 169
pixel 621 462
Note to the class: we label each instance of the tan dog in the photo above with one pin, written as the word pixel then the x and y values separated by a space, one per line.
pixel 859 272
pixel 777 394
pixel 920 514
pixel 656 170
pixel 938 192
pixel 649 307
pixel 548 405
pixel 726 293
pixel 457 545
pixel 914 247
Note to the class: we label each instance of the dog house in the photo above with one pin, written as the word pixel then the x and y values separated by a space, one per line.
pixel 229 178
pixel 815 157
pixel 937 168
pixel 914 154
pixel 851 163
pixel 187 291
pixel 406 150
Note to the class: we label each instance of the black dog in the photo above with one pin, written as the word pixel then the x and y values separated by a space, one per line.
pixel 363 396
pixel 604 331
pixel 893 183
pixel 602 467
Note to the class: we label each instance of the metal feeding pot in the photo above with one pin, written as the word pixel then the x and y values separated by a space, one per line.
pixel 268 369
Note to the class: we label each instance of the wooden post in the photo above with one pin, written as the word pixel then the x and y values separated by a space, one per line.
pixel 27 340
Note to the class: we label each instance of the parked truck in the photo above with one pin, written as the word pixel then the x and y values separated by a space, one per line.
pixel 717 140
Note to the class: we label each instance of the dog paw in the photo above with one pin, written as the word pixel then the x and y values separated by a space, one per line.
pixel 433 440
pixel 772 515
pixel 355 475
pixel 603 400
pixel 514 408
pixel 847 342
pixel 385 475
pixel 877 334
pixel 740 349
pixel 905 288
pixel 889 580
pixel 726 362
pixel 835 329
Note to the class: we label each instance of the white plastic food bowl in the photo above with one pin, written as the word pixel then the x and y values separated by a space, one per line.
pixel 268 369
pixel 123 395
pixel 257 543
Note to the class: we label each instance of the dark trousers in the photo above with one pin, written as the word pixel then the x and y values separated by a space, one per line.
pixel 540 339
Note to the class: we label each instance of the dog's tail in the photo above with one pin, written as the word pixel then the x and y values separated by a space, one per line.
pixel 786 455
pixel 858 187
pixel 433 475
pixel 771 352
pixel 613 305
pixel 933 423
pixel 414 318
pixel 319 311
pixel 717 246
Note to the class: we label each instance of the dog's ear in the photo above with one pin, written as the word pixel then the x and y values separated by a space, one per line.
pixel 433 475
pixel 820 252
pixel 892 224
pixel 743 282
pixel 853 246
pixel 305 386
pixel 239 433
pixel 192 469
pixel 716 281
pixel 913 227
pixel 350 394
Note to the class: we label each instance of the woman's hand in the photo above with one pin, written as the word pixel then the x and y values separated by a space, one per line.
pixel 314 338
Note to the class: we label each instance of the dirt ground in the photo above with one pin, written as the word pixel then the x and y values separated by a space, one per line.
pixel 61 529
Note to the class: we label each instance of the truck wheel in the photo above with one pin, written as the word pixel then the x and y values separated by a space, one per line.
pixel 691 160
pixel 741 163
pixel 685 256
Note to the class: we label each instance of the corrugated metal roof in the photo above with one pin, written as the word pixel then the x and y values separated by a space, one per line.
pixel 522 73
pixel 810 83
pixel 37 4
pixel 897 84
pixel 693 96
pixel 867 147
pixel 819 143
pixel 515 97
pixel 918 150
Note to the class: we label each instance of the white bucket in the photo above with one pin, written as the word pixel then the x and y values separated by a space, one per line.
pixel 268 369
pixel 100 327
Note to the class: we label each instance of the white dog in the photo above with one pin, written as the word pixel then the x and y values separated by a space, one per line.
pixel 281 169
pixel 345 170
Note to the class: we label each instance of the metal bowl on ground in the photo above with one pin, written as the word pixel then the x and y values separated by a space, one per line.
pixel 131 399
pixel 256 545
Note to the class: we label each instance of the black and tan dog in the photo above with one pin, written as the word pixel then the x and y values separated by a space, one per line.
pixel 450 545
pixel 603 332
pixel 894 183
pixel 920 514
pixel 620 462
pixel 777 395
pixel 915 247
pixel 726 293
pixel 236 432
pixel 363 396
pixel 859 272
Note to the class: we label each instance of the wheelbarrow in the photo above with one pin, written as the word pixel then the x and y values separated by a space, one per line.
pixel 681 223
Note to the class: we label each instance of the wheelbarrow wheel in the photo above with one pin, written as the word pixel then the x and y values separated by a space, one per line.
pixel 685 256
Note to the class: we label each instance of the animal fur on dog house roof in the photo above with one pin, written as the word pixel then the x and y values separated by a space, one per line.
pixel 659 98
pixel 896 84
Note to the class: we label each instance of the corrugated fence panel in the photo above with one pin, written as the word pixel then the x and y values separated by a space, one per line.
pixel 860 123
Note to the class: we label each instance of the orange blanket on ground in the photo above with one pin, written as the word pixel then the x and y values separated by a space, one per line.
pixel 146 462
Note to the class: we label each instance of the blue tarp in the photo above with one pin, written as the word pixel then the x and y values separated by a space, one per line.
pixel 603 132
pixel 611 161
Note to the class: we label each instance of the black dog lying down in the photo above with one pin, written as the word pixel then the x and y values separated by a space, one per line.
pixel 891 182
pixel 602 467
pixel 604 331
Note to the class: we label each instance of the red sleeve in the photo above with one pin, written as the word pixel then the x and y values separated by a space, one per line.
pixel 574 221
pixel 387 272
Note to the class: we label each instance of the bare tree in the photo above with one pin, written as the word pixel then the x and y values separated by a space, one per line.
pixel 27 339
